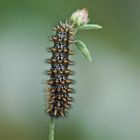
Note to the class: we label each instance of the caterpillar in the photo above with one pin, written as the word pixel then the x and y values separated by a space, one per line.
pixel 59 99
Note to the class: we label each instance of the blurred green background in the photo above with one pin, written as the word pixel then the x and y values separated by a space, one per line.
pixel 107 105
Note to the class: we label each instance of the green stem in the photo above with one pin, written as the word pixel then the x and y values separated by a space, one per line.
pixel 51 128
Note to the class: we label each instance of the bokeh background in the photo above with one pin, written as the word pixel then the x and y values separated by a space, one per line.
pixel 107 99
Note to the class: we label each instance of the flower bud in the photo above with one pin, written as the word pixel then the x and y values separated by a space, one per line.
pixel 80 17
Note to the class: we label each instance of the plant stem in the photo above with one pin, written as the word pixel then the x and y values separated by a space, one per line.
pixel 51 128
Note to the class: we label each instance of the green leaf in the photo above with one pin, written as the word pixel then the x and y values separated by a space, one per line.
pixel 90 27
pixel 83 48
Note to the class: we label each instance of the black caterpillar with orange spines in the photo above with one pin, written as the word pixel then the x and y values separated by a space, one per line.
pixel 59 90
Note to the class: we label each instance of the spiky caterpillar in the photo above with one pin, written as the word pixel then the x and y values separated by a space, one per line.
pixel 59 91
